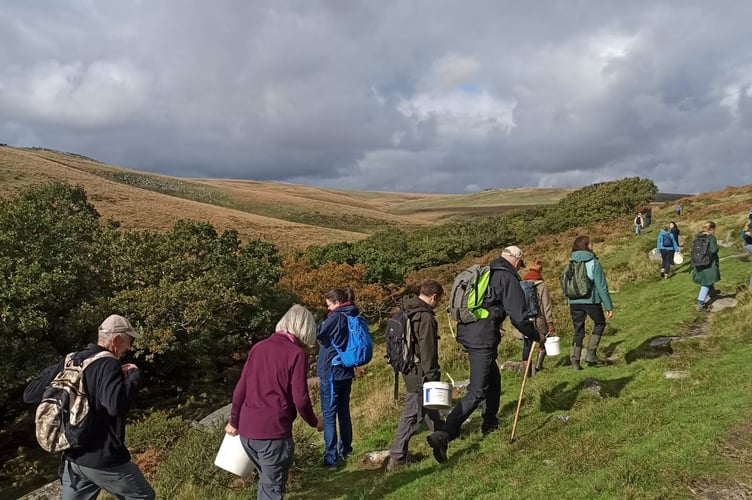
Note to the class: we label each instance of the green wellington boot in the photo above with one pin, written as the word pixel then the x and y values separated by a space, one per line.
pixel 574 356
pixel 539 363
pixel 590 358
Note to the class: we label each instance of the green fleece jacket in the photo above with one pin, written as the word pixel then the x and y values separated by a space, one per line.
pixel 600 294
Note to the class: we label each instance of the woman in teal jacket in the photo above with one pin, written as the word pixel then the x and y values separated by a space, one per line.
pixel 666 246
pixel 592 305
pixel 709 275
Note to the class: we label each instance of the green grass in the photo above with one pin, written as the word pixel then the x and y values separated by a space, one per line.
pixel 640 435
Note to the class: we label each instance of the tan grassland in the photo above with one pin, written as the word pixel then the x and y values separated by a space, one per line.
pixel 291 216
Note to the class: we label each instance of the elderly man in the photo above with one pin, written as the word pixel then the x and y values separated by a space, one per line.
pixel 504 297
pixel 102 463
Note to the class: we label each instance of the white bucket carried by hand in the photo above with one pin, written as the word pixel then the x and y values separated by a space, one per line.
pixel 437 395
pixel 233 458
pixel 552 345
pixel 678 258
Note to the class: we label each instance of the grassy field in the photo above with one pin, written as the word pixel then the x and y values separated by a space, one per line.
pixel 289 215
pixel 622 431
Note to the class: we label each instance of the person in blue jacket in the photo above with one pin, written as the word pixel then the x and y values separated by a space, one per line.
pixel 335 382
pixel 591 306
pixel 666 245
pixel 746 237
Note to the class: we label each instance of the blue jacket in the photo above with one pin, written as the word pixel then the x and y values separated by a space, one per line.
pixel 334 329
pixel 659 242
pixel 600 294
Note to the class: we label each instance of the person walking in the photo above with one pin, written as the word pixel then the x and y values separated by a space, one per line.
pixel 103 463
pixel 544 322
pixel 678 210
pixel 420 312
pixel 707 275
pixel 335 382
pixel 648 217
pixel 271 392
pixel 591 306
pixel 746 237
pixel 480 339
pixel 638 223
pixel 666 245
pixel 674 230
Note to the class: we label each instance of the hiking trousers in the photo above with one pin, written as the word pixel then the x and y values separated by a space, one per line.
pixel 125 482
pixel 272 459
pixel 579 313
pixel 412 416
pixel 485 387
pixel 667 258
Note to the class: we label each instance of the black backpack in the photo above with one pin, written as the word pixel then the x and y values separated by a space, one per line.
pixel 666 241
pixel 700 251
pixel 400 345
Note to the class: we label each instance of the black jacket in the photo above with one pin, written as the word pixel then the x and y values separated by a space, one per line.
pixel 110 395
pixel 426 338
pixel 504 297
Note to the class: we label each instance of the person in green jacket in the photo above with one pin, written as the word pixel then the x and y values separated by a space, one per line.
pixel 592 305
pixel 707 276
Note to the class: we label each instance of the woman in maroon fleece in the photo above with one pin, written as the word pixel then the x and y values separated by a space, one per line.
pixel 271 391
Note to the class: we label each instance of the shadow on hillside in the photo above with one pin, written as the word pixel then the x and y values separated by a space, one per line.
pixel 559 398
pixel 649 349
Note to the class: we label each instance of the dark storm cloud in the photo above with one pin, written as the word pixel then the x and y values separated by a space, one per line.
pixel 431 96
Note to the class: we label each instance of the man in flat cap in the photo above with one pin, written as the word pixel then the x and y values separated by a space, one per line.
pixel 480 339
pixel 103 461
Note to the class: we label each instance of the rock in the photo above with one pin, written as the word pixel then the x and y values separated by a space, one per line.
pixel 662 341
pixel 513 366
pixel 216 417
pixel 592 385
pixel 653 255
pixel 50 491
pixel 676 374
pixel 723 303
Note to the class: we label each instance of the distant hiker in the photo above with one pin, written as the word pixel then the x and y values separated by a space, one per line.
pixel 674 230
pixel 705 265
pixel 591 305
pixel 425 330
pixel 678 210
pixel 638 223
pixel 666 245
pixel 480 339
pixel 271 392
pixel 102 462
pixel 746 237
pixel 648 217
pixel 335 381
pixel 749 219
pixel 544 322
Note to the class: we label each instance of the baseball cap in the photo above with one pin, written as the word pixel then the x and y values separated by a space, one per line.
pixel 515 252
pixel 118 324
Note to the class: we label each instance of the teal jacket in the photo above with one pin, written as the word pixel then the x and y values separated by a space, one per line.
pixel 710 274
pixel 600 294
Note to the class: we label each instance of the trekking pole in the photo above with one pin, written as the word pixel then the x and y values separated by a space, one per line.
pixel 522 388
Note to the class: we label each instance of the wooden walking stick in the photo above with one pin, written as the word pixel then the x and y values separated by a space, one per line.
pixel 522 388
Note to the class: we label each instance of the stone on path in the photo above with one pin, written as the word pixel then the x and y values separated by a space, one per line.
pixel 676 374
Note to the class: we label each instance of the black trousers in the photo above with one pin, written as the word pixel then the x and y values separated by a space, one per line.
pixel 581 311
pixel 667 258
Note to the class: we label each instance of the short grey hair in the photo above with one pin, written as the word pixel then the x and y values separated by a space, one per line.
pixel 299 322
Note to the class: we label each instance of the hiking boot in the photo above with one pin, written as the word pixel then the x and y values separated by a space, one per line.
pixel 488 430
pixel 439 442
pixel 700 307
pixel 574 356
pixel 393 464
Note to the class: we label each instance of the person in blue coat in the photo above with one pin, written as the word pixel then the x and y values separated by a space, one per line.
pixel 335 382
pixel 666 245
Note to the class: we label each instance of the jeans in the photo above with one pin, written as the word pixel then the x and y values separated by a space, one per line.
pixel 748 248
pixel 485 387
pixel 272 459
pixel 581 311
pixel 335 407
pixel 704 291
pixel 123 482
pixel 667 258
pixel 412 415
pixel 637 229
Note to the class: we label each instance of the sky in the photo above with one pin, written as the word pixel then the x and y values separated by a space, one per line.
pixel 429 96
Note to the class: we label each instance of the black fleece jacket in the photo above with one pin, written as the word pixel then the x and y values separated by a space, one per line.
pixel 504 297
pixel 426 338
pixel 110 395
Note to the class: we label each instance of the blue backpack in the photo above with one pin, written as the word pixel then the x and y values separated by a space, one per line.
pixel 359 348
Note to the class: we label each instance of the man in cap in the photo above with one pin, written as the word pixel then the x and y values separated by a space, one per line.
pixel 104 462
pixel 504 297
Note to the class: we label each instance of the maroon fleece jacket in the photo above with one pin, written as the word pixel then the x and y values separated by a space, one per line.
pixel 272 390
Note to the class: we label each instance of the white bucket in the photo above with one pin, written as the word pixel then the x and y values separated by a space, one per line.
pixel 437 395
pixel 552 346
pixel 678 258
pixel 233 458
